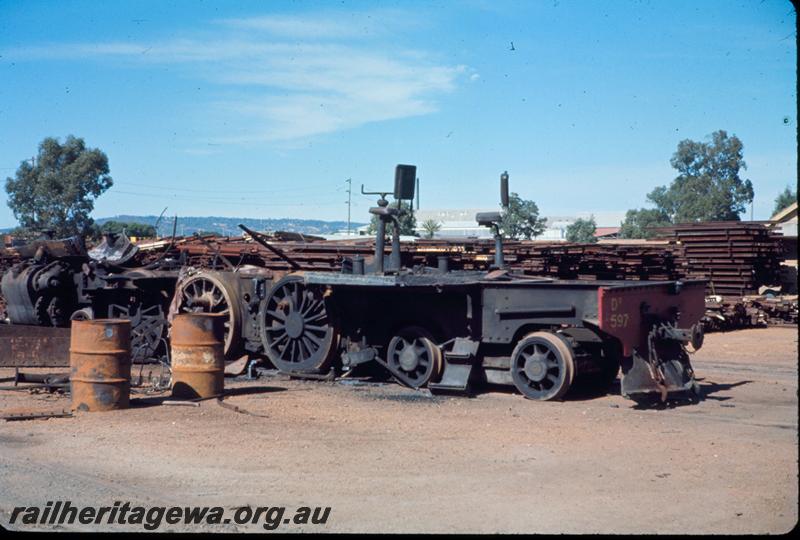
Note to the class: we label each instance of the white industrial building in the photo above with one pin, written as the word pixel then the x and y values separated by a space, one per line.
pixel 462 224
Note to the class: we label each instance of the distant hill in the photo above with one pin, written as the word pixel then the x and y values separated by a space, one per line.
pixel 188 225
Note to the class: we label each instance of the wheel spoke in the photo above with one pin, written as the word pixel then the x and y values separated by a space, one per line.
pixel 316 328
pixel 277 315
pixel 310 345
pixel 311 306
pixel 313 339
pixel 302 349
pixel 316 318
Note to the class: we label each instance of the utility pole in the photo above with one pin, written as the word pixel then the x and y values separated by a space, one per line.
pixel 417 186
pixel 349 199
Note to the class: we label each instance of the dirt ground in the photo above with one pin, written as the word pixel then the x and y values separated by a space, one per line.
pixel 386 458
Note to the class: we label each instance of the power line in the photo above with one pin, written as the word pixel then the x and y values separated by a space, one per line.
pixel 243 191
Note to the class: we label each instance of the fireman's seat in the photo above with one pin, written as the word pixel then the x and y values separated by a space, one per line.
pixel 487 219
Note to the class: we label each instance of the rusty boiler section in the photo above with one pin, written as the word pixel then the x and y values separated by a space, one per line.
pixel 100 364
pixel 198 358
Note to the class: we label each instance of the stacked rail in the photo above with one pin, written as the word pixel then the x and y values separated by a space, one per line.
pixel 735 257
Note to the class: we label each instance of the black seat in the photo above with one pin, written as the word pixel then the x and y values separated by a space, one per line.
pixel 487 219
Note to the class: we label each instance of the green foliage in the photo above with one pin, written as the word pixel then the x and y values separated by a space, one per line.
pixel 57 193
pixel 639 223
pixel 521 219
pixel 140 230
pixel 582 231
pixel 408 222
pixel 784 199
pixel 431 226
pixel 708 186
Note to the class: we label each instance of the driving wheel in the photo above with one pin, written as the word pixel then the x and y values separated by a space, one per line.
pixel 296 330
pixel 542 366
pixel 414 356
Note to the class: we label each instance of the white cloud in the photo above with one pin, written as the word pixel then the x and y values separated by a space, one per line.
pixel 288 89
pixel 296 27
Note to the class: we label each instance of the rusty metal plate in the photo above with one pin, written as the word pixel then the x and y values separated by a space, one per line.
pixel 33 346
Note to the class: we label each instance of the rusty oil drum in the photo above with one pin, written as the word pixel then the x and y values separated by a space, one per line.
pixel 198 357
pixel 100 364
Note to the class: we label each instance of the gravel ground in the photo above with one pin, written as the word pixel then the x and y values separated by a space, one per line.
pixel 386 458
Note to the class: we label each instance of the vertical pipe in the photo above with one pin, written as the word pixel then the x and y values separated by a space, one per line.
pixel 498 249
pixel 358 265
pixel 379 244
pixel 394 260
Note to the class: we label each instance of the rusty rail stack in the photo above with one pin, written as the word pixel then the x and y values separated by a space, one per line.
pixel 562 260
pixel 735 257
pixel 320 256
pixel 556 259
pixel 599 261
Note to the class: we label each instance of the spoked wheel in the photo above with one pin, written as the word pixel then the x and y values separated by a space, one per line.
pixel 414 357
pixel 148 327
pixel 542 366
pixel 296 330
pixel 214 292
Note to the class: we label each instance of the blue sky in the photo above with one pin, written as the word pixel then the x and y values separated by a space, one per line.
pixel 265 108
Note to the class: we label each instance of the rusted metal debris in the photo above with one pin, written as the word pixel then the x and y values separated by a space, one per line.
pixel 33 346
pixel 749 312
pixel 17 415
pixel 45 378
pixel 53 286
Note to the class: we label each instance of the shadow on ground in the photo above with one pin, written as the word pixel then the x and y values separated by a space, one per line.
pixel 156 401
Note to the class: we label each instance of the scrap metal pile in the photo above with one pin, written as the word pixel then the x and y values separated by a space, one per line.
pixel 749 311
pixel 57 281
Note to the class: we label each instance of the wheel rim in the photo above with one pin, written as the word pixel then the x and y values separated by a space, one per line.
pixel 203 294
pixel 296 331
pixel 413 353
pixel 539 369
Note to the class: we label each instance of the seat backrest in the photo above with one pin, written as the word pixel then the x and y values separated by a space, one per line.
pixel 488 218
